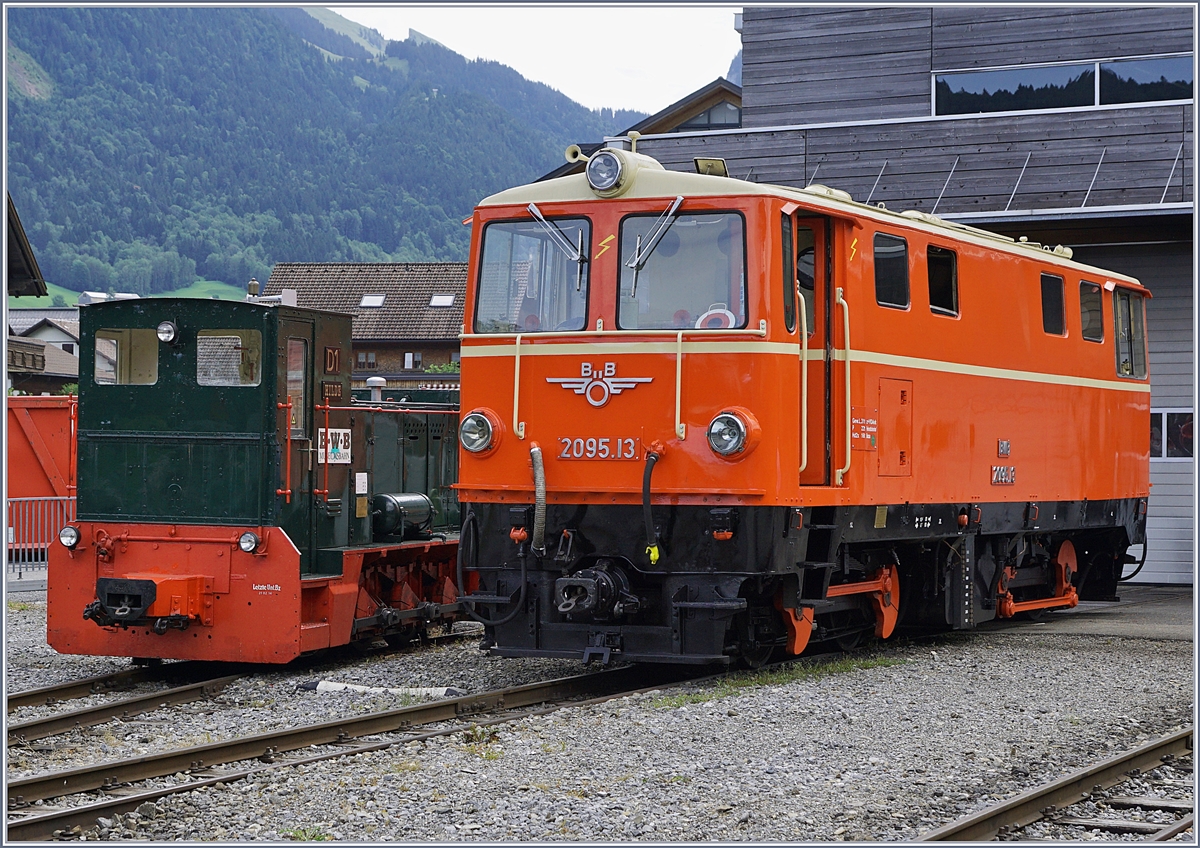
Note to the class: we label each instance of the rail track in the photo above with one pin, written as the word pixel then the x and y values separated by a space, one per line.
pixel 31 821
pixel 1052 801
pixel 203 680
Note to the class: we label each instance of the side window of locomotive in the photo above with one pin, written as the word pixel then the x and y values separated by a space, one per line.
pixel 806 247
pixel 297 385
pixel 943 280
pixel 1052 305
pixel 1091 311
pixel 228 357
pixel 529 280
pixel 126 357
pixel 695 277
pixel 789 276
pixel 1130 334
pixel 891 271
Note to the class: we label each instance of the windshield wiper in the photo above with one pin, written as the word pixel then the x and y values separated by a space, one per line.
pixel 572 252
pixel 642 254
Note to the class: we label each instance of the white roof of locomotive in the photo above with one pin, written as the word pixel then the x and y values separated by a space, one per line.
pixel 650 180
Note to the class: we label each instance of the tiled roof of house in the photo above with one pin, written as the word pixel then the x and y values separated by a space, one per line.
pixel 408 290
pixel 22 319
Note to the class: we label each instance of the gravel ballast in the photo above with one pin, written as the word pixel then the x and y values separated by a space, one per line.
pixel 909 737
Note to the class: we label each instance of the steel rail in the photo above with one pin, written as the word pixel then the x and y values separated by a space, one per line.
pixel 122 679
pixel 125 678
pixel 40 728
pixel 81 688
pixel 1188 822
pixel 48 825
pixel 1075 787
pixel 268 745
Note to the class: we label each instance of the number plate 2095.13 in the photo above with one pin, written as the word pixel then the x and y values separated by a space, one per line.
pixel 599 448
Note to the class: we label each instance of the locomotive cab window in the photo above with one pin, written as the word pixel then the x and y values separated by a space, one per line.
pixel 1052 305
pixel 694 277
pixel 228 357
pixel 126 357
pixel 943 280
pixel 533 276
pixel 1130 334
pixel 806 251
pixel 789 277
pixel 297 386
pixel 891 271
pixel 1091 311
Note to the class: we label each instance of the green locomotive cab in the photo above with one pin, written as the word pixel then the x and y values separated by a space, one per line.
pixel 221 455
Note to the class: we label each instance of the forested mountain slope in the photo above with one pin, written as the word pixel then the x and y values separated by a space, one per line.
pixel 151 146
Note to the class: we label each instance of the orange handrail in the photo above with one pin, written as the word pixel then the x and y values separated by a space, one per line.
pixel 72 454
pixel 287 491
pixel 325 492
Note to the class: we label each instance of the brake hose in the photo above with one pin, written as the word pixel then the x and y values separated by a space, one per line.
pixel 1145 547
pixel 651 536
pixel 539 500
pixel 471 522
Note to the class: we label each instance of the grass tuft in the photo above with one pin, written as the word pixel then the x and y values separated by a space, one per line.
pixel 801 670
pixel 307 834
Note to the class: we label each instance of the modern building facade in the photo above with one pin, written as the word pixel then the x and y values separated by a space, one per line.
pixel 1066 125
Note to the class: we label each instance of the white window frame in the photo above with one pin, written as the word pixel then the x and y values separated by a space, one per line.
pixel 1164 410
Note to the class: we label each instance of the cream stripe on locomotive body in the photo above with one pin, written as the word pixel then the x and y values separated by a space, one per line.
pixel 778 349
pixel 643 483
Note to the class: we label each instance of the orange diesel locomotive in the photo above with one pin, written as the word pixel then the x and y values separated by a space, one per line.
pixel 706 419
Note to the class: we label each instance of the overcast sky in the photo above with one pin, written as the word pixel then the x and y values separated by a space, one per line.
pixel 621 57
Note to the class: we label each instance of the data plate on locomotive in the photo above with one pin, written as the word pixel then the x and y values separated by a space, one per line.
pixel 599 447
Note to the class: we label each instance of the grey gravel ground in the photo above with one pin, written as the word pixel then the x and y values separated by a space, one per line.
pixel 874 753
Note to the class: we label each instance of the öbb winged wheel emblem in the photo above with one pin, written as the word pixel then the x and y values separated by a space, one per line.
pixel 598 384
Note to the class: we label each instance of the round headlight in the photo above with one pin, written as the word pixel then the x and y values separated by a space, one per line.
pixel 475 432
pixel 603 171
pixel 727 434
pixel 69 536
pixel 166 332
pixel 249 542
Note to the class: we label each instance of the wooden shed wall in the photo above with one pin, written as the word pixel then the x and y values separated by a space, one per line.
pixel 811 65
pixel 1134 156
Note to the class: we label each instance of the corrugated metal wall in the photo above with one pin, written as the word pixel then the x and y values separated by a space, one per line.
pixel 1166 269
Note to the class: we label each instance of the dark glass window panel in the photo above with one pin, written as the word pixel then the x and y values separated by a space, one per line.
pixel 1052 305
pixel 806 271
pixel 943 280
pixel 1130 334
pixel 297 385
pixel 1179 434
pixel 1156 430
pixel 1144 80
pixel 722 116
pixel 789 277
pixel 891 271
pixel 1015 90
pixel 726 114
pixel 1091 312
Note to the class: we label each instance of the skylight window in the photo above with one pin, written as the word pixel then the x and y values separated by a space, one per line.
pixel 373 300
pixel 442 300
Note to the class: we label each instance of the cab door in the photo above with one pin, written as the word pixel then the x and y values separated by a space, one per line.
pixel 296 430
pixel 806 310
